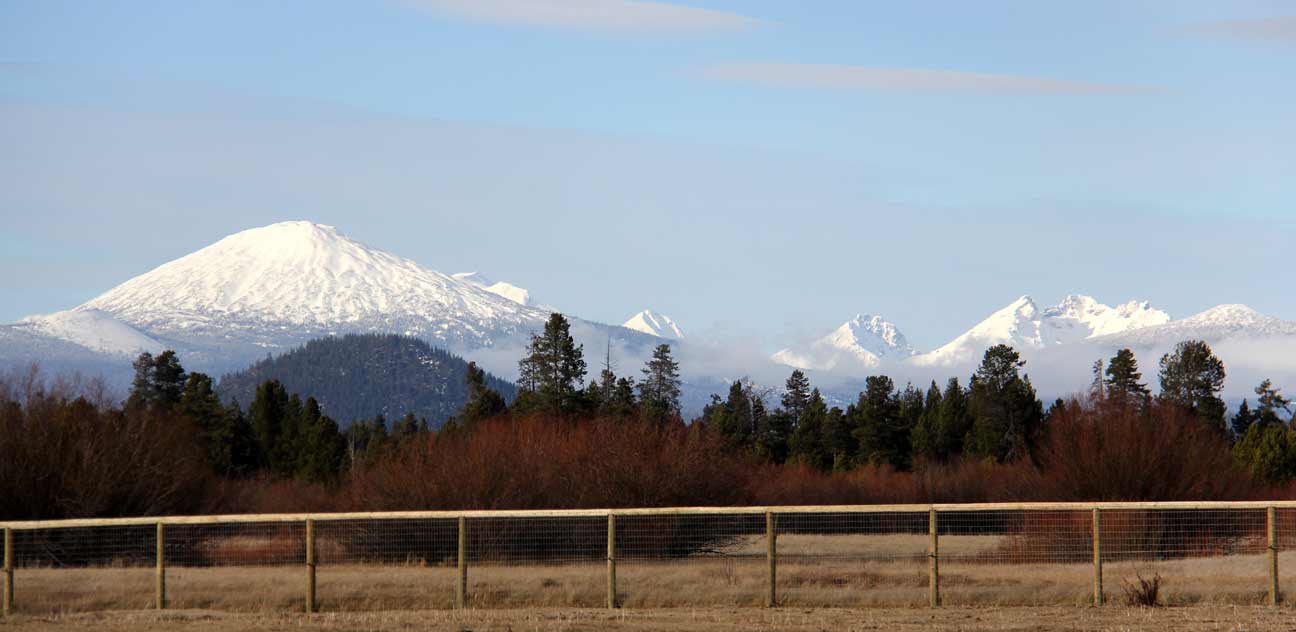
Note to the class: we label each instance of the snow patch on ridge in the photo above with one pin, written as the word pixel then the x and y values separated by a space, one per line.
pixel 500 288
pixel 92 329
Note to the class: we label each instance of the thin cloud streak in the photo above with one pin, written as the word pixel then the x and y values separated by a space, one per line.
pixel 1280 29
pixel 591 15
pixel 844 77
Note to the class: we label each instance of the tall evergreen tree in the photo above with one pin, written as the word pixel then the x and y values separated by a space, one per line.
pixel 320 448
pixel 553 371
pixel 1123 384
pixel 483 402
pixel 659 392
pixel 807 441
pixel 1270 400
pixel 881 430
pixel 923 436
pixel 1192 377
pixel 274 426
pixel 1242 421
pixel 158 383
pixel 1006 414
pixel 954 420
pixel 735 416
pixel 796 394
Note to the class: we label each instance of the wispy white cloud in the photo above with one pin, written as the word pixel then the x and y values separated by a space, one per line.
pixel 1279 29
pixel 593 15
pixel 844 77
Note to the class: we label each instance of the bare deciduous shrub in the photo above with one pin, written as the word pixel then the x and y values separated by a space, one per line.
pixel 1143 592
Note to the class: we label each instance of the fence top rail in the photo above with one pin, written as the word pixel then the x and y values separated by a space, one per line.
pixel 661 511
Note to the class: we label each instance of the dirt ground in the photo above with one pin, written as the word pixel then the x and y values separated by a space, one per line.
pixel 1231 618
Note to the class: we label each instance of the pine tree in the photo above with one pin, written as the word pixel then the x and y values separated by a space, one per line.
pixel 323 449
pixel 168 379
pixel 273 426
pixel 1122 385
pixel 142 390
pixel 922 438
pixel 158 383
pixel 955 420
pixel 1270 401
pixel 734 417
pixel 659 392
pixel 881 431
pixel 1006 414
pixel 483 402
pixel 1192 377
pixel 1242 421
pixel 553 371
pixel 807 441
pixel 796 395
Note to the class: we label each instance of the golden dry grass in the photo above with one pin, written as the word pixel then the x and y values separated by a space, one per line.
pixel 814 571
pixel 965 618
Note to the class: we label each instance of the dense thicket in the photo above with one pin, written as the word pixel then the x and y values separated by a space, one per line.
pixel 362 376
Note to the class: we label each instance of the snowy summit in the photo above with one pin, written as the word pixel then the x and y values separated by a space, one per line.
pixel 307 279
pixel 654 324
pixel 861 342
pixel 1024 325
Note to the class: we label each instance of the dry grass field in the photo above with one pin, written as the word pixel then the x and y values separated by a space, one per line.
pixel 815 571
pixel 950 619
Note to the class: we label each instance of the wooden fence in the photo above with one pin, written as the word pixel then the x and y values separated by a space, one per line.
pixel 1183 529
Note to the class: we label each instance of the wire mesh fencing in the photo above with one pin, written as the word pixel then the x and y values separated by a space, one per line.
pixel 854 556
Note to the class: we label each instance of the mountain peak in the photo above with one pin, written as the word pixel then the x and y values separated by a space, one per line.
pixel 309 279
pixel 655 324
pixel 861 343
pixel 1023 325
pixel 518 295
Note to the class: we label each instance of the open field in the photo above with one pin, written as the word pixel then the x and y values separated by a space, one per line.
pixel 964 618
pixel 815 571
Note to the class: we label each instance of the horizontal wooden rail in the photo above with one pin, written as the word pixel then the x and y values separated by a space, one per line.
pixel 664 511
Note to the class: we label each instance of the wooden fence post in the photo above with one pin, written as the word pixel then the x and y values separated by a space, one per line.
pixel 310 565
pixel 611 546
pixel 771 542
pixel 1272 519
pixel 461 585
pixel 1097 558
pixel 933 562
pixel 8 572
pixel 161 567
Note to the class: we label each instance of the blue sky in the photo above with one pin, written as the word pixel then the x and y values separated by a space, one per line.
pixel 761 168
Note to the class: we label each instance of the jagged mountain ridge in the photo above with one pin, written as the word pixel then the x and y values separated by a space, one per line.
pixel 1023 325
pixel 861 342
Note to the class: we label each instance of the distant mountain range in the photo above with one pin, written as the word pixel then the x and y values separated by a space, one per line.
pixel 268 290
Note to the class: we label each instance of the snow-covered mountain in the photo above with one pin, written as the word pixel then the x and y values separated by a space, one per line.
pixel 1217 324
pixel 270 289
pixel 654 324
pixel 862 342
pixel 311 280
pixel 1023 325
pixel 499 288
